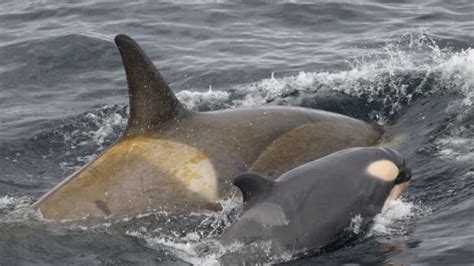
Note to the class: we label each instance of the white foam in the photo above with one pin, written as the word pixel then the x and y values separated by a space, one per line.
pixel 186 248
pixel 356 223
pixel 190 248
pixel 458 148
pixel 105 124
pixel 17 210
pixel 458 71
pixel 7 202
pixel 212 99
pixel 391 220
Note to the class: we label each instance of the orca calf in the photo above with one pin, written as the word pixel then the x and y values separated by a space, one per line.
pixel 173 159
pixel 309 207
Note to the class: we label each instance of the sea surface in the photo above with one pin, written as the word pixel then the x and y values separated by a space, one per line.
pixel 406 65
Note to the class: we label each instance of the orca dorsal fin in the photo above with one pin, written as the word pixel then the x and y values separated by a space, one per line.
pixel 252 185
pixel 152 102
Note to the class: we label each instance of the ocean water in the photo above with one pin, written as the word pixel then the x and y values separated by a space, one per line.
pixel 406 65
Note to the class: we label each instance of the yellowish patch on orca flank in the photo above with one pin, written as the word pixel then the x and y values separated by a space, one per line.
pixel 180 161
pixel 383 169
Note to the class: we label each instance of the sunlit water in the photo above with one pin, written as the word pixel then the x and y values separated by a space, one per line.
pixel 63 99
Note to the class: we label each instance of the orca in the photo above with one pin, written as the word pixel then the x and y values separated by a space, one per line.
pixel 173 159
pixel 312 206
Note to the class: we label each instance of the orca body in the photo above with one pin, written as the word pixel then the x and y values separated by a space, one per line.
pixel 309 207
pixel 173 159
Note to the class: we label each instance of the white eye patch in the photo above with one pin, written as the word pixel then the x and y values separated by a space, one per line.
pixel 383 169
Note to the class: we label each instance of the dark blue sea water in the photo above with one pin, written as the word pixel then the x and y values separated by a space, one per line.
pixel 407 65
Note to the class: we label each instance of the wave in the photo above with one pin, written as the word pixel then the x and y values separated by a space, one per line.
pixel 407 68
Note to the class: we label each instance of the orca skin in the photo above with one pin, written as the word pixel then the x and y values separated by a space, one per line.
pixel 176 160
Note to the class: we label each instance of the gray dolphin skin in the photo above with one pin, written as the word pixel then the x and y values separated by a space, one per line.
pixel 306 208
pixel 173 159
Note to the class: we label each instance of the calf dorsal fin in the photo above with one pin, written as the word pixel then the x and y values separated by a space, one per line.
pixel 252 185
pixel 152 102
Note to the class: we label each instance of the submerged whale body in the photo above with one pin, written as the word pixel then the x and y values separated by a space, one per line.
pixel 173 159
pixel 312 205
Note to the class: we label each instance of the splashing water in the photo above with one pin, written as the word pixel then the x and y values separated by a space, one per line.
pixel 200 246
pixel 103 122
pixel 7 202
pixel 391 221
pixel 356 223
pixel 17 210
